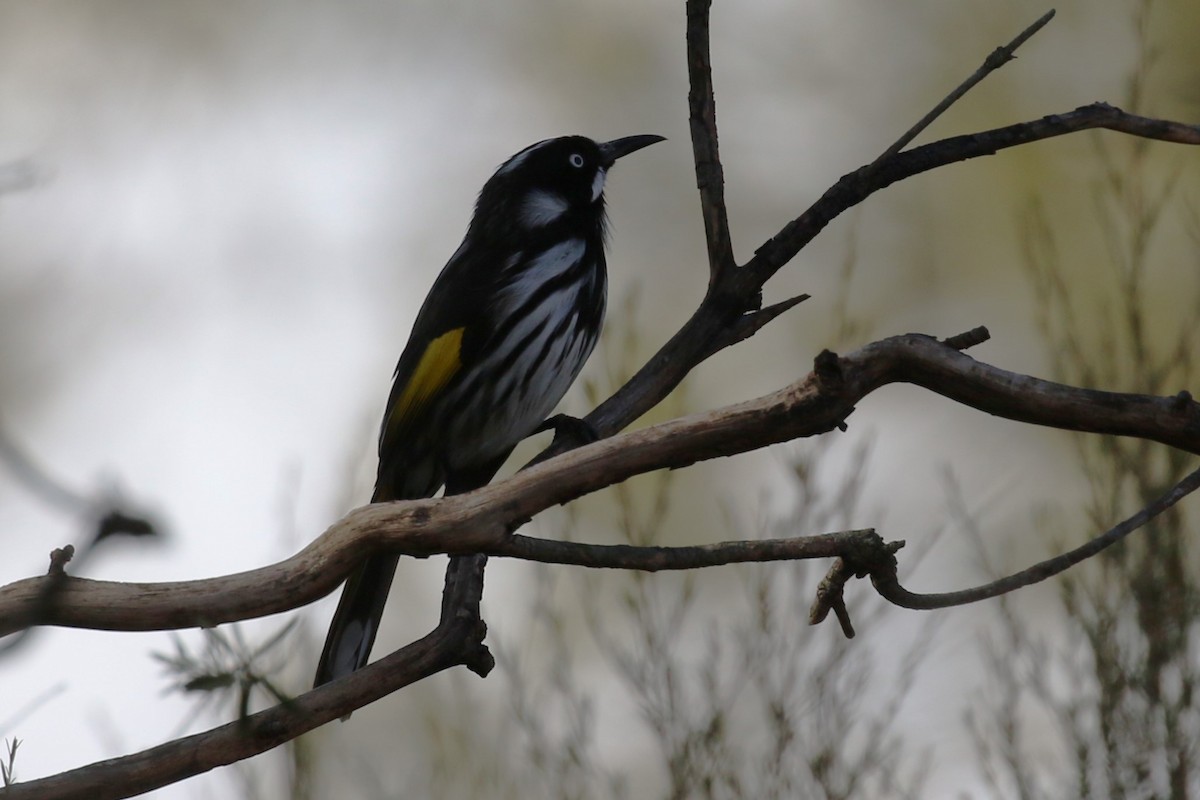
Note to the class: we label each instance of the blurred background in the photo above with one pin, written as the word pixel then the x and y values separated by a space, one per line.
pixel 217 221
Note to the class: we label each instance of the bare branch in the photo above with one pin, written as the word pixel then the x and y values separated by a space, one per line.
pixel 995 60
pixel 481 521
pixel 182 758
pixel 654 559
pixel 884 577
pixel 852 189
pixel 106 514
pixel 860 551
pixel 740 291
pixel 702 117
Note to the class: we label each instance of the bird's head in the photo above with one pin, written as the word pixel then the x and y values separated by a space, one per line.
pixel 553 181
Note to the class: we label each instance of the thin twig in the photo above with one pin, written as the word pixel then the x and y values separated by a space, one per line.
pixel 998 58
pixel 102 514
pixel 853 188
pixel 887 585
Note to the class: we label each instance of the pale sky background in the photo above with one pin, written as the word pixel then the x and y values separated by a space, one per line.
pixel 237 209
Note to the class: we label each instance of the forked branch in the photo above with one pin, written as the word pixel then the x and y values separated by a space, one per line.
pixel 483 521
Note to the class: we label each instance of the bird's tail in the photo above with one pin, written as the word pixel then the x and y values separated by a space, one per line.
pixel 356 621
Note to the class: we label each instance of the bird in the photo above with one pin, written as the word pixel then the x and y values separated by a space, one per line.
pixel 501 336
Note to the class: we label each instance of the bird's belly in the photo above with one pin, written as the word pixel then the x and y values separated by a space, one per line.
pixel 500 413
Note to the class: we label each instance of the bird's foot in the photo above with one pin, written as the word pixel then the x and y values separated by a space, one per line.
pixel 570 432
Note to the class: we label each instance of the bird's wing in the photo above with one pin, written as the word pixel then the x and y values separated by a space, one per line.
pixel 436 361
pixel 443 340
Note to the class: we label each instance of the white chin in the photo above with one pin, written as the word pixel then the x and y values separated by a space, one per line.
pixel 598 184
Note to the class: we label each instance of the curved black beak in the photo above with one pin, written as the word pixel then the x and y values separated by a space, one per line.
pixel 611 151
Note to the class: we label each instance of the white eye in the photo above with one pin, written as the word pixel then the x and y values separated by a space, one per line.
pixel 576 160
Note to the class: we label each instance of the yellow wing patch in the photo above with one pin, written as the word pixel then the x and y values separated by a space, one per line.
pixel 437 366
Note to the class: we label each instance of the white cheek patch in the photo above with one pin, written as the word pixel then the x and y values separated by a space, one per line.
pixel 598 183
pixel 541 208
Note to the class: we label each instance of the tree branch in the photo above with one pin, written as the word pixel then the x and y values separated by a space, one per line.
pixel 852 189
pixel 736 293
pixel 182 758
pixel 741 292
pixel 995 60
pixel 481 521
pixel 702 119
pixel 883 576
pixel 655 559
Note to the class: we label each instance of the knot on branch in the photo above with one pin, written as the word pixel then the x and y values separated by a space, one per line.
pixel 998 58
pixel 867 554
pixel 827 368
pixel 59 558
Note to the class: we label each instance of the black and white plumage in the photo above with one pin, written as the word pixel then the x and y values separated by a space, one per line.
pixel 502 334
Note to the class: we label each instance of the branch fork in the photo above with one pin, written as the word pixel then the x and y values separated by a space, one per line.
pixel 483 521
